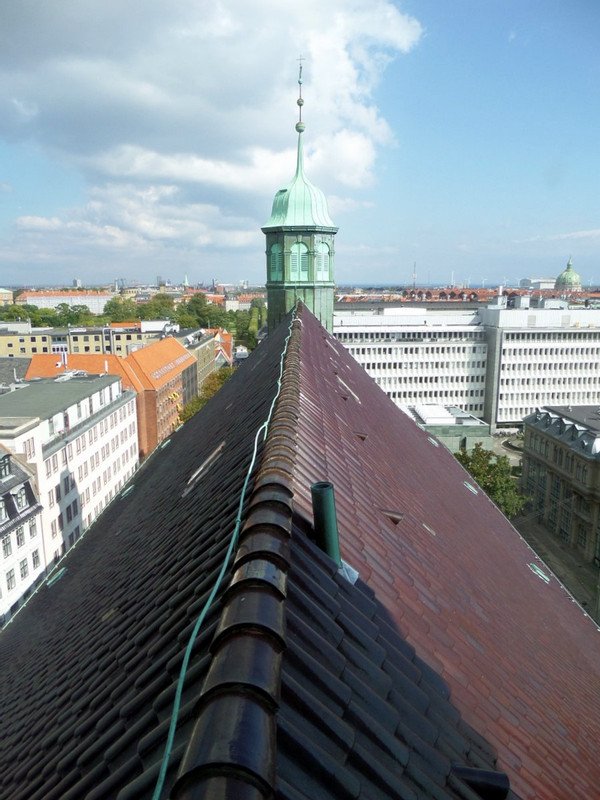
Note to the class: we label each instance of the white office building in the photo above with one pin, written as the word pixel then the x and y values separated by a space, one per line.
pixel 495 362
pixel 80 435
pixel 419 356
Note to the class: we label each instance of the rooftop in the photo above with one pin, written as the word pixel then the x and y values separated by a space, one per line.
pixel 46 397
pixel 454 648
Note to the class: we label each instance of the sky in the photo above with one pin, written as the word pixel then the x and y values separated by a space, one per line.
pixel 455 141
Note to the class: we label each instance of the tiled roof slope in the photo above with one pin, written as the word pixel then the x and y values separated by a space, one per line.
pixel 521 659
pixel 47 365
pixel 300 685
pixel 157 363
pixel 89 665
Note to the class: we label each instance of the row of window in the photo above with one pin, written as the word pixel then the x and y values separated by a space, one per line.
pixel 550 351
pixel 19 538
pixel 299 263
pixel 11 580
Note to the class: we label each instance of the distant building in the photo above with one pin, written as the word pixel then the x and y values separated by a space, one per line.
pixel 561 474
pixel 169 377
pixel 453 427
pixel 95 300
pixel 537 284
pixel 23 556
pixel 496 362
pixel 6 297
pixel 163 376
pixel 79 434
pixel 568 280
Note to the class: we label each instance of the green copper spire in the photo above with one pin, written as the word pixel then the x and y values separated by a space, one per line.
pixel 301 204
pixel 299 244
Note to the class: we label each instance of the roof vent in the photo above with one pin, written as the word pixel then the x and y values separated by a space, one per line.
pixel 394 516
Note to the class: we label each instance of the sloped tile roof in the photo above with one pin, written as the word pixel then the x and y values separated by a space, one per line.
pixel 47 365
pixel 522 660
pixel 157 363
pixel 299 683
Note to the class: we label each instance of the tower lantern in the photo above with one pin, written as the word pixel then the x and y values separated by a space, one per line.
pixel 300 247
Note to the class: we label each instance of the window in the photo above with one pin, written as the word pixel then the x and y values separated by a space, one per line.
pixel 57 494
pixel 35 558
pixel 322 259
pixel 10 579
pixel 32 528
pixel 61 523
pixel 54 529
pixel 24 568
pixel 299 262
pixel 66 484
pixel 3 511
pixel 6 546
pixel 21 498
pixel 5 466
pixel 276 263
pixel 20 536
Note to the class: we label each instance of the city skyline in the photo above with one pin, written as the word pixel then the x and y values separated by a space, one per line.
pixel 460 139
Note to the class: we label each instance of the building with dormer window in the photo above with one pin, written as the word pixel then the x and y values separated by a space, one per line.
pixel 22 554
pixel 561 474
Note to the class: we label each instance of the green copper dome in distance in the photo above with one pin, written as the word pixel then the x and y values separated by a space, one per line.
pixel 568 278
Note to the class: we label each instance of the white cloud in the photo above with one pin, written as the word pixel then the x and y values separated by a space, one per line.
pixel 184 115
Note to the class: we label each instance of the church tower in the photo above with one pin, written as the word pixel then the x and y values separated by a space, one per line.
pixel 300 251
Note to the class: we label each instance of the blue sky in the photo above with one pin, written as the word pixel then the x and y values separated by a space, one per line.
pixel 461 136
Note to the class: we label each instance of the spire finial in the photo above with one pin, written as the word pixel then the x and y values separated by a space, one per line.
pixel 300 125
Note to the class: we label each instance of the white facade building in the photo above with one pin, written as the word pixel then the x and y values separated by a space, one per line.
pixel 22 556
pixel 419 356
pixel 496 362
pixel 80 435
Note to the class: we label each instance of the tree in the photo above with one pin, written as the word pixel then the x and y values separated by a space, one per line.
pixel 493 474
pixel 119 310
pixel 209 388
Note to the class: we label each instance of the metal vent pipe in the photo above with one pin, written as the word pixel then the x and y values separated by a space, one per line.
pixel 325 520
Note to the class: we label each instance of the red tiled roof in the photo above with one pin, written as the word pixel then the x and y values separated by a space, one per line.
pixel 521 658
pixel 159 362
pixel 47 365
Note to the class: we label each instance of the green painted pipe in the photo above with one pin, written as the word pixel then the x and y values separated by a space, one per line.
pixel 325 520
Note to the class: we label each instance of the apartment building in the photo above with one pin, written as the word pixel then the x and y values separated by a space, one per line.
pixel 162 376
pixel 52 298
pixel 24 341
pixel 561 474
pixel 79 434
pixel 22 557
pixel 496 362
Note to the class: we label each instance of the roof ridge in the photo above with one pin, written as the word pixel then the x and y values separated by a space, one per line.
pixel 242 687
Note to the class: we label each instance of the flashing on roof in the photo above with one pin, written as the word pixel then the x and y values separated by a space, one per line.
pixel 433 441
pixel 56 576
pixel 362 436
pixel 127 491
pixel 165 443
pixel 470 487
pixel 537 571
pixel 206 464
pixel 345 386
pixel 348 572
pixel 428 529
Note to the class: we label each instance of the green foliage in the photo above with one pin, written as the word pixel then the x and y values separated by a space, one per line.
pixel 118 310
pixel 209 388
pixel 494 475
